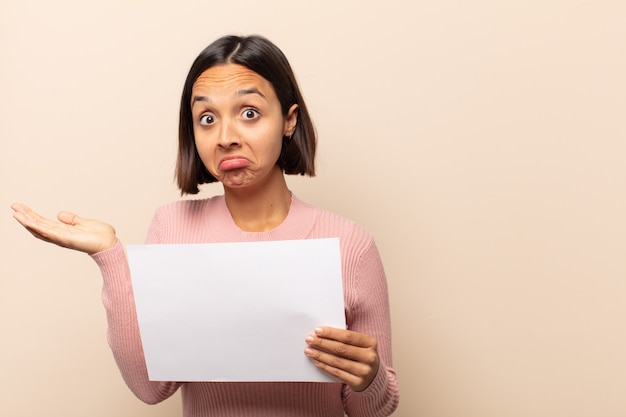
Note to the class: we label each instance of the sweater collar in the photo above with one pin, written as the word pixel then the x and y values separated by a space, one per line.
pixel 297 224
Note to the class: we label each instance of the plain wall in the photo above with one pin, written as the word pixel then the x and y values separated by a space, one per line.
pixel 481 142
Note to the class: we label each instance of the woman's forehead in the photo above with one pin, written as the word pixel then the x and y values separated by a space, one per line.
pixel 229 77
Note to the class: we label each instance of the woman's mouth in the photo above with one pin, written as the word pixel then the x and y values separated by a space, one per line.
pixel 233 162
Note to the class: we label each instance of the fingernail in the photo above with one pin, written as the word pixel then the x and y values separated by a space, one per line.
pixel 310 338
pixel 308 351
pixel 319 330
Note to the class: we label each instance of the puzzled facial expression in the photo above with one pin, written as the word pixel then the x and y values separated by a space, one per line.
pixel 238 124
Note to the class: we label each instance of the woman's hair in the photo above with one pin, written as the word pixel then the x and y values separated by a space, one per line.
pixel 263 57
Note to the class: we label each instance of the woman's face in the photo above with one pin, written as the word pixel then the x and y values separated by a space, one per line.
pixel 238 124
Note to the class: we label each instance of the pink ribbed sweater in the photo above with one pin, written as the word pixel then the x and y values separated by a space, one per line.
pixel 366 306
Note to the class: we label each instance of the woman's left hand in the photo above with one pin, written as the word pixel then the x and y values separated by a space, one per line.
pixel 350 356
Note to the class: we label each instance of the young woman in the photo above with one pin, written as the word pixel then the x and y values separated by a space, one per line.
pixel 244 123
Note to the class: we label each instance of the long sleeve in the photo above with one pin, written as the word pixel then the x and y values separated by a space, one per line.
pixel 123 330
pixel 368 312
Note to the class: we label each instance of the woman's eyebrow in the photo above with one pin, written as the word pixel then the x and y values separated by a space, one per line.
pixel 199 98
pixel 251 90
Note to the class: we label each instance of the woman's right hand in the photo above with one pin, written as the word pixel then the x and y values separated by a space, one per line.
pixel 70 231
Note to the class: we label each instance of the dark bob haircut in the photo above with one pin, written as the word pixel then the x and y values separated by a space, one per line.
pixel 266 59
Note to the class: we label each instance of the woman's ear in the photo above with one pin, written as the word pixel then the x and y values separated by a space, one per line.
pixel 291 120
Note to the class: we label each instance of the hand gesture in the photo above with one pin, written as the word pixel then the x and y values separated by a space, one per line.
pixel 70 231
pixel 350 356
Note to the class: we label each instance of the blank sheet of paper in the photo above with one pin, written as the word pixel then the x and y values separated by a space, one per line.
pixel 235 311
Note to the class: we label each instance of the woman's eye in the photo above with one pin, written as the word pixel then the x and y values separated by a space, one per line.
pixel 250 114
pixel 206 119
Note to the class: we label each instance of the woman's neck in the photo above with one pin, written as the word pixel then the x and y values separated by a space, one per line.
pixel 259 209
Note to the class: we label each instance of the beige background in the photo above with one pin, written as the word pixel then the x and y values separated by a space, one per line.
pixel 481 142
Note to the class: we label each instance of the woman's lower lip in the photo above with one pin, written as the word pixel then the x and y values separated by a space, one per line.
pixel 233 163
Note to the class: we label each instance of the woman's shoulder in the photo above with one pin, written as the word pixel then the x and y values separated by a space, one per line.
pixel 189 207
pixel 332 223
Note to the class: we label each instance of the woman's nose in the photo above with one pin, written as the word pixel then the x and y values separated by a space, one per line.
pixel 229 136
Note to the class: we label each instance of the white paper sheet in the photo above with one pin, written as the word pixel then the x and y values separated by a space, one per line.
pixel 235 311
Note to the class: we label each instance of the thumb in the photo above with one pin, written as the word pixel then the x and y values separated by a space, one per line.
pixel 69 218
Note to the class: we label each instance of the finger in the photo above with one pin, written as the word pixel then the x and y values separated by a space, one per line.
pixel 40 227
pixel 19 207
pixel 22 215
pixel 332 346
pixel 345 336
pixel 329 360
pixel 24 209
pixel 31 219
pixel 69 218
pixel 21 212
pixel 364 355
pixel 358 376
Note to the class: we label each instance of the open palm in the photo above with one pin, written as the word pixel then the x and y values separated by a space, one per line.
pixel 69 230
